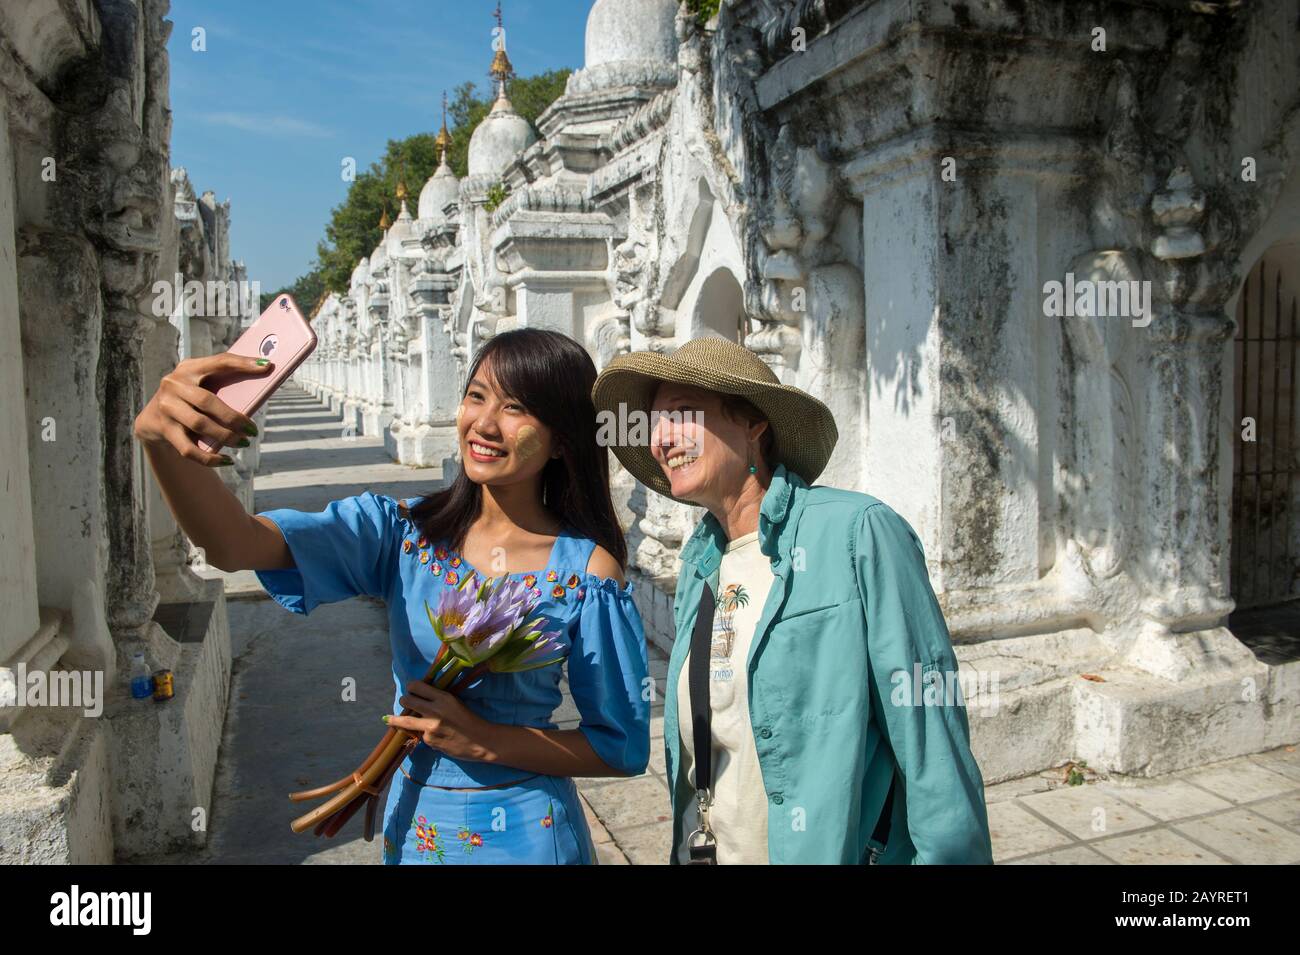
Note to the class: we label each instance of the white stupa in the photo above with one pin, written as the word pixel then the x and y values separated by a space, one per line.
pixel 503 134
pixel 631 30
pixel 442 187
pixel 403 226
pixel 379 256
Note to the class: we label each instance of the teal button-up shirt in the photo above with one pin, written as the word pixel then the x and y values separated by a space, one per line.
pixel 849 630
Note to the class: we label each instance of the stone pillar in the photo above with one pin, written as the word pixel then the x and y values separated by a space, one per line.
pixel 20 618
pixel 429 437
pixel 556 261
pixel 373 403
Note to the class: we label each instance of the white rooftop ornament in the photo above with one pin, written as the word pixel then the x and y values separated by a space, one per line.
pixel 359 274
pixel 629 43
pixel 379 257
pixel 622 30
pixel 503 134
pixel 442 187
pixel 402 226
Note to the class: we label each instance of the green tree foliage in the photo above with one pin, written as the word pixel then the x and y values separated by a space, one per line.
pixel 353 230
pixel 704 10
pixel 306 291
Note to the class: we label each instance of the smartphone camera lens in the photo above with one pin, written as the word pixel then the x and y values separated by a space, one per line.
pixel 268 345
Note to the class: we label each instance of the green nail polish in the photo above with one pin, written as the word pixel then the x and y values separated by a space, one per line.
pixel 263 361
pixel 250 429
pixel 386 718
pixel 244 442
pixel 225 460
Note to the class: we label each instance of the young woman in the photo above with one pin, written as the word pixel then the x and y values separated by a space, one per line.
pixel 491 782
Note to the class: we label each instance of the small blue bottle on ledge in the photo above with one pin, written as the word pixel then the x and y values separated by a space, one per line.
pixel 141 678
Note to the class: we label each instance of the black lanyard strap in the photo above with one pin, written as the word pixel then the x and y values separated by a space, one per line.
pixel 705 853
pixel 701 718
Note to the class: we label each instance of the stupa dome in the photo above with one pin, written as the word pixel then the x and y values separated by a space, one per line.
pixel 497 140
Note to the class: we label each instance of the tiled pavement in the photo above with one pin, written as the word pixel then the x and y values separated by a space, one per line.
pixel 631 818
pixel 1239 811
pixel 1243 810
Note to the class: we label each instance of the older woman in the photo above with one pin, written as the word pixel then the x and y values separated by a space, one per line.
pixel 804 622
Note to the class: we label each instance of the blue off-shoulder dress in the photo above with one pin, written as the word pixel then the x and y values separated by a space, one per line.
pixel 368 544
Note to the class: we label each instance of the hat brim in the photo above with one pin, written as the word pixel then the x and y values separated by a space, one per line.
pixel 803 428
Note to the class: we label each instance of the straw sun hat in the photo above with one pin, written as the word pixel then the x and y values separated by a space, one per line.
pixel 803 430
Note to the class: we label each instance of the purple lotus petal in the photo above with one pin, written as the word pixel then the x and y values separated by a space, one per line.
pixel 491 622
pixel 454 610
pixel 495 622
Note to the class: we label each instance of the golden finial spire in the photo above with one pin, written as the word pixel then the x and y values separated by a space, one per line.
pixel 383 220
pixel 444 138
pixel 501 67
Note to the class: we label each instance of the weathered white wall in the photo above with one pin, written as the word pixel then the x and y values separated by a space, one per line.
pixel 913 190
pixel 18 615
pixel 103 776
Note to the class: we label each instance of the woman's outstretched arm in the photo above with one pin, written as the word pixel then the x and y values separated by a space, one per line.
pixel 211 516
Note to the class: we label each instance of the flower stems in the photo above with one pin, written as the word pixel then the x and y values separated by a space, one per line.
pixel 492 625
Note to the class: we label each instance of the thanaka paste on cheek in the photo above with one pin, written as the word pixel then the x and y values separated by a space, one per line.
pixel 527 442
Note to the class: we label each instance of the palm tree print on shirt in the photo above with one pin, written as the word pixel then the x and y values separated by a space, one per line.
pixel 724 630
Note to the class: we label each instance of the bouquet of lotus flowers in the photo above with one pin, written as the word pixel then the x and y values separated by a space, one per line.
pixel 489 628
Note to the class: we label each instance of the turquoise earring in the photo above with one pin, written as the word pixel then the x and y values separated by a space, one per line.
pixel 752 469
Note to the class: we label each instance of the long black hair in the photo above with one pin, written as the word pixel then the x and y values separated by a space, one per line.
pixel 551 375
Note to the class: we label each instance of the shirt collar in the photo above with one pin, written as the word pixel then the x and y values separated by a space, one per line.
pixel 705 546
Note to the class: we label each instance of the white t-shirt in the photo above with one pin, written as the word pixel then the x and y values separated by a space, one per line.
pixel 738 815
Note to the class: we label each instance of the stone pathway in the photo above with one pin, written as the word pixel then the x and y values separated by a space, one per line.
pixel 1239 811
pixel 288 727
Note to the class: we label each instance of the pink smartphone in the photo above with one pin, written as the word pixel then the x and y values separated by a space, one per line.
pixel 284 336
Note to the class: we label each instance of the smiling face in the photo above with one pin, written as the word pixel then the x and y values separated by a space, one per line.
pixel 704 454
pixel 500 442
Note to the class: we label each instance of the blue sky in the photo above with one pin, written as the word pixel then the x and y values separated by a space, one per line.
pixel 287 88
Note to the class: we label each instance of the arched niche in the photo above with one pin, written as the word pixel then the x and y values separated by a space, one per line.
pixel 720 308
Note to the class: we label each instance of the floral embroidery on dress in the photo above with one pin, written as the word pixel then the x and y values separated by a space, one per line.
pixel 390 850
pixel 470 840
pixel 548 820
pixel 441 561
pixel 426 840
